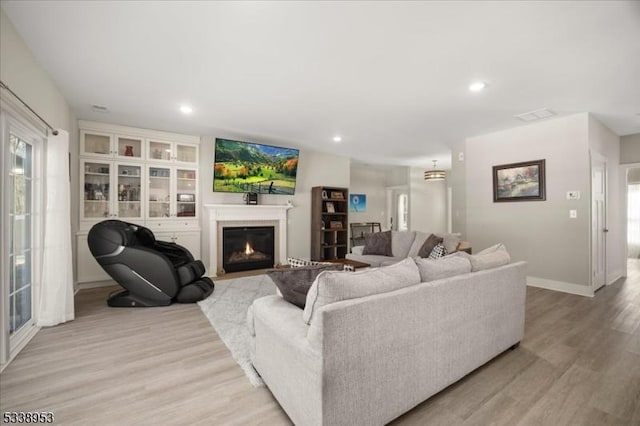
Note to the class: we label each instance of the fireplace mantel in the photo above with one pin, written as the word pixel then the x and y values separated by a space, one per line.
pixel 241 215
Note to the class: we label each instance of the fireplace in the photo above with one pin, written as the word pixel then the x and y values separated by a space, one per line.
pixel 245 248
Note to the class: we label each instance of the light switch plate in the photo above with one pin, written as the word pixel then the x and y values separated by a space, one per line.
pixel 573 214
pixel 573 195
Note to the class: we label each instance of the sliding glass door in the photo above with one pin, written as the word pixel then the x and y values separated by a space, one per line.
pixel 20 225
pixel 21 230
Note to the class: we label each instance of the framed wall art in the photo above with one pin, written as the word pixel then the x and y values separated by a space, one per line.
pixel 523 181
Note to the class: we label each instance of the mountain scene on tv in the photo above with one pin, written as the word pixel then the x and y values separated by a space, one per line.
pixel 250 167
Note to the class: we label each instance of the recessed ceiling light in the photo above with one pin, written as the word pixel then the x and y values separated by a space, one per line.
pixel 186 109
pixel 477 86
pixel 337 138
pixel 99 108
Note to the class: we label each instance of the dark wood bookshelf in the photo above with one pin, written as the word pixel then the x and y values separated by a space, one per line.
pixel 329 224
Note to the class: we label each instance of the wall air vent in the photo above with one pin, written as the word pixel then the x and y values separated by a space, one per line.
pixel 99 108
pixel 538 114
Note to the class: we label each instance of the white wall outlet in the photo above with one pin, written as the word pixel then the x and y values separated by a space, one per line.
pixel 461 156
pixel 573 214
pixel 573 195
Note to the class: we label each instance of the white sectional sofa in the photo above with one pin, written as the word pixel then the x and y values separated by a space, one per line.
pixel 390 343
pixel 403 244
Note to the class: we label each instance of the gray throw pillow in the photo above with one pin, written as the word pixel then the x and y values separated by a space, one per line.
pixel 378 243
pixel 428 245
pixel 294 283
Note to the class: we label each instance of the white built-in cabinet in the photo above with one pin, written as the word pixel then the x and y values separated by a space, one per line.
pixel 141 176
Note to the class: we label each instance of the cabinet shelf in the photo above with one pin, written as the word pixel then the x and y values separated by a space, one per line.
pixel 96 174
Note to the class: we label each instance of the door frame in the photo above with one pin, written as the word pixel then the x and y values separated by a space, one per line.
pixel 594 156
pixel 14 116
pixel 392 208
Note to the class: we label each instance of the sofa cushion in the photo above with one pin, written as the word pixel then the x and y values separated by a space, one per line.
pixel 428 245
pixel 401 243
pixel 374 260
pixel 447 266
pixel 488 258
pixel 418 241
pixel 331 287
pixel 450 241
pixel 378 243
pixel 294 283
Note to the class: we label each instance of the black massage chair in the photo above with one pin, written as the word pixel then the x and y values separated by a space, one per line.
pixel 154 273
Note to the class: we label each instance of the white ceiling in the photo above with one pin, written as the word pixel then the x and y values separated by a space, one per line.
pixel 391 78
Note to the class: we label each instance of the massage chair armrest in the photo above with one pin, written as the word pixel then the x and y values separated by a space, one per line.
pixel 148 265
pixel 175 252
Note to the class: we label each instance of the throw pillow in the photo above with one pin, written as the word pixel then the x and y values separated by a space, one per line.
pixel 428 245
pixel 294 283
pixel 438 251
pixel 295 262
pixel 332 287
pixel 451 241
pixel 491 257
pixel 378 243
pixel 447 266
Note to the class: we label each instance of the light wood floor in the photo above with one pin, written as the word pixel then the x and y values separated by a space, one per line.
pixel 579 364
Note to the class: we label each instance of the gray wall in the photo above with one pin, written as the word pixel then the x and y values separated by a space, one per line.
pixel 456 181
pixel 371 181
pixel 21 72
pixel 314 169
pixel 540 232
pixel 427 203
pixel 630 149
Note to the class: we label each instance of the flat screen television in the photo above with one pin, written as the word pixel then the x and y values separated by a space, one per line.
pixel 252 167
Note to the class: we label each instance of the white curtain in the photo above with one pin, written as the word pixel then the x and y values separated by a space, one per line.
pixel 633 221
pixel 56 294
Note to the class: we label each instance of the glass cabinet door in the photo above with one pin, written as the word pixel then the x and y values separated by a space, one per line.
pixel 129 147
pixel 96 143
pixel 186 192
pixel 160 151
pixel 129 188
pixel 186 153
pixel 159 192
pixel 96 189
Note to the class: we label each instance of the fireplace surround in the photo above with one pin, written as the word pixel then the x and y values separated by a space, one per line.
pixel 219 216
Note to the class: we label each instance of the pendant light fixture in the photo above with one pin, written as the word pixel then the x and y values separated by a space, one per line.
pixel 435 174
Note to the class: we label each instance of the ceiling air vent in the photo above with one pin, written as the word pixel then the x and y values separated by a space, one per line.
pixel 99 108
pixel 538 114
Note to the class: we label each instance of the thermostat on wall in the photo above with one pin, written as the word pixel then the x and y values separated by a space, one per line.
pixel 573 195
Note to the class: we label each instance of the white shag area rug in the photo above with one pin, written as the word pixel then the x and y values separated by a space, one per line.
pixel 226 310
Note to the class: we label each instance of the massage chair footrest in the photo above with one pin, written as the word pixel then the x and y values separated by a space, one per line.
pixel 195 291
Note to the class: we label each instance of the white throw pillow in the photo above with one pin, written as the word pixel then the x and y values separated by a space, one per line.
pixel 330 286
pixel 491 257
pixel 447 266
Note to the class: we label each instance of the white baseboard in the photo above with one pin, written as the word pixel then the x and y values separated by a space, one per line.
pixel 95 284
pixel 615 276
pixel 580 290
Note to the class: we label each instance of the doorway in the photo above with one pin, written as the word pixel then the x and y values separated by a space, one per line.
pixel 598 221
pixel 20 208
pixel 631 176
pixel 398 208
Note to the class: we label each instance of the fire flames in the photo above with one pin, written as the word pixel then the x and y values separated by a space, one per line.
pixel 247 249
